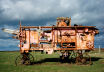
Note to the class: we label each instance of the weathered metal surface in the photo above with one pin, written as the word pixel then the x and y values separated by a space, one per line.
pixel 60 37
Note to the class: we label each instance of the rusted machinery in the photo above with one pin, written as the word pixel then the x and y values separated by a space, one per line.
pixel 72 41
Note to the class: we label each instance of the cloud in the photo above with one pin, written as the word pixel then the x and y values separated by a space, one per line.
pixel 80 11
pixel 24 9
pixel 8 44
pixel 33 9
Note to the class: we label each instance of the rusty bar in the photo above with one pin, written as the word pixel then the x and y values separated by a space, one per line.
pixel 29 39
pixel 57 27
pixel 38 38
pixel 25 35
pixel 61 38
pixel 71 49
pixel 60 49
pixel 57 37
pixel 37 49
pixel 70 22
pixel 93 39
pixel 75 37
pixel 52 37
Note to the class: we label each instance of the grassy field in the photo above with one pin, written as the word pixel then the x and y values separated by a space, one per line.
pixel 49 63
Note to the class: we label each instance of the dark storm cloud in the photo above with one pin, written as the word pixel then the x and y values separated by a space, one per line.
pixel 37 9
pixel 81 11
pixel 44 12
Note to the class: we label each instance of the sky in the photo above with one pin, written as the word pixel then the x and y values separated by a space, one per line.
pixel 45 12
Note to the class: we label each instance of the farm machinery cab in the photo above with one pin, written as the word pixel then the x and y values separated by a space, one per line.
pixel 70 40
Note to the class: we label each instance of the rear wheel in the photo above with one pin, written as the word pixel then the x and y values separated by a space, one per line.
pixel 83 59
pixel 24 59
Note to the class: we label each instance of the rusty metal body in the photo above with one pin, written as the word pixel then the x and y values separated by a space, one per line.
pixel 62 37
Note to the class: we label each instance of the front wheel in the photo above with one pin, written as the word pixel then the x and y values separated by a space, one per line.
pixel 25 59
pixel 83 59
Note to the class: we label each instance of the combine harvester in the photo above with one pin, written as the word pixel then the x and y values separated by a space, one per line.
pixel 73 42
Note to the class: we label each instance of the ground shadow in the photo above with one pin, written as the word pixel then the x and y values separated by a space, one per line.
pixel 52 60
pixel 62 60
pixel 96 58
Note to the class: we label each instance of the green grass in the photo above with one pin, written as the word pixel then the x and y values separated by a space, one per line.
pixel 49 63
